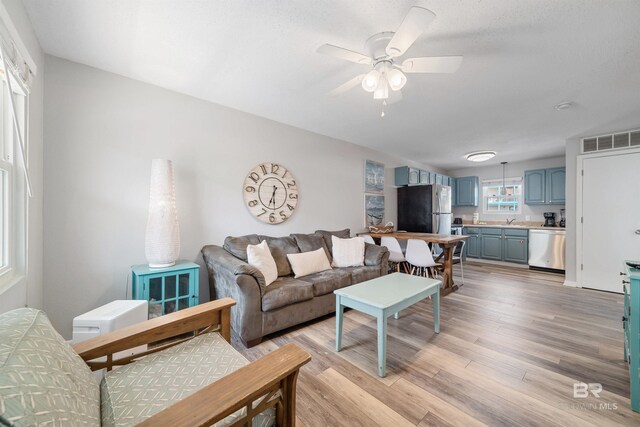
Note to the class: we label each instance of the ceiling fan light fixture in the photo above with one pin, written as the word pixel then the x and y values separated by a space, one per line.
pixel 397 79
pixel 480 156
pixel 382 91
pixel 371 80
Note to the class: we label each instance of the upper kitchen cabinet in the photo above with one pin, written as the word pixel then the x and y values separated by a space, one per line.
pixel 467 191
pixel 406 175
pixel 544 186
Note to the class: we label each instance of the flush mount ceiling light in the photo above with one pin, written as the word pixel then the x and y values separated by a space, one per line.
pixel 480 156
pixel 383 53
pixel 563 106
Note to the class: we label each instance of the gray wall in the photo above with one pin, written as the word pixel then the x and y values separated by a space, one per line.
pixel 513 170
pixel 28 291
pixel 103 130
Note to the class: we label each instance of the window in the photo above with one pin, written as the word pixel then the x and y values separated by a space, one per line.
pixel 502 199
pixel 13 197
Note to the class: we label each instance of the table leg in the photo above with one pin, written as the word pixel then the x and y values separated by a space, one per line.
pixel 436 312
pixel 448 266
pixel 382 345
pixel 339 313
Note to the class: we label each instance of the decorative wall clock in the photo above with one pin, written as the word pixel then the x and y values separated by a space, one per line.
pixel 270 193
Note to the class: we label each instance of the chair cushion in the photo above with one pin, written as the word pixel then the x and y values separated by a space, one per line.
pixel 42 380
pixel 311 242
pixel 286 291
pixel 328 281
pixel 326 235
pixel 360 274
pixel 237 246
pixel 280 247
pixel 135 392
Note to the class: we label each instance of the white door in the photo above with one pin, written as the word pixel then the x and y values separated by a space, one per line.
pixel 611 212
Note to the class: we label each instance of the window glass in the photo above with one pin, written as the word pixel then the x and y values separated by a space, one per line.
pixel 502 199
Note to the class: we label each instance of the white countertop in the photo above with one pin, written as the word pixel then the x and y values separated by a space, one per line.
pixel 524 227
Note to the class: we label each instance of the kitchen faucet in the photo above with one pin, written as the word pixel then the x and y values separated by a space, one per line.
pixel 510 221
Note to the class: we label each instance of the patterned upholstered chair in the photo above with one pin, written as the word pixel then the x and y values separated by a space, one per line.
pixel 198 380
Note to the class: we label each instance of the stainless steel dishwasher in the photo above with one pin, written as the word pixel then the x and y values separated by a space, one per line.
pixel 546 249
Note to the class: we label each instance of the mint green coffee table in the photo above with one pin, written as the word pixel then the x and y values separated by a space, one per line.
pixel 382 297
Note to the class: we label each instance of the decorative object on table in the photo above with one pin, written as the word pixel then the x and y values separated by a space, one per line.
pixel 383 229
pixel 270 193
pixel 373 177
pixel 162 239
pixel 382 54
pixel 373 209
pixel 167 289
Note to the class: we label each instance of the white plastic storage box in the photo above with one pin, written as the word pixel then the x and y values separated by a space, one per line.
pixel 108 318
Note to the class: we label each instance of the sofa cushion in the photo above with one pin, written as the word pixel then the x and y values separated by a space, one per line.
pixel 360 274
pixel 42 380
pixel 311 242
pixel 280 247
pixel 135 392
pixel 326 235
pixel 259 256
pixel 286 291
pixel 328 281
pixel 306 263
pixel 237 246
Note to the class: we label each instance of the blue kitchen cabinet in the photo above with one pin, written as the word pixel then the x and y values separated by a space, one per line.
pixel 425 177
pixel 545 186
pixel 467 191
pixel 535 187
pixel 471 248
pixel 405 175
pixel 516 246
pixel 453 191
pixel 439 179
pixel 167 289
pixel 491 245
pixel 556 181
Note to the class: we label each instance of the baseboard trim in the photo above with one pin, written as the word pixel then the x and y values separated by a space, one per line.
pixel 570 284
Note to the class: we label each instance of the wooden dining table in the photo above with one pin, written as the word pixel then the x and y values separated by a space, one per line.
pixel 447 242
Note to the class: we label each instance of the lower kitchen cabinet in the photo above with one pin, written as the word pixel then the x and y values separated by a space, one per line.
pixel 498 244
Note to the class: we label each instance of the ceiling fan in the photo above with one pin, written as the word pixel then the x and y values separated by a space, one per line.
pixel 383 54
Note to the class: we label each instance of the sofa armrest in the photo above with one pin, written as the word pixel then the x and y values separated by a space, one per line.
pixel 216 257
pixel 276 371
pixel 374 254
pixel 198 319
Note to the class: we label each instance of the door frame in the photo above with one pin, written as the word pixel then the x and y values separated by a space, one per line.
pixel 579 199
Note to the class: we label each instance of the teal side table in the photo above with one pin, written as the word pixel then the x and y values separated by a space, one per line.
pixel 631 322
pixel 167 289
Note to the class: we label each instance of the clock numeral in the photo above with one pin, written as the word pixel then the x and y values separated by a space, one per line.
pixel 272 217
pixel 275 168
pixel 264 169
pixel 283 215
pixel 250 189
pixel 254 177
pixel 291 184
pixel 252 203
pixel 293 196
pixel 290 207
pixel 264 211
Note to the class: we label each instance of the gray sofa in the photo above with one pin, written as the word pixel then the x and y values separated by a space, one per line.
pixel 262 310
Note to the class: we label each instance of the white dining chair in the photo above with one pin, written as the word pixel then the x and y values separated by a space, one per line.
pixel 368 239
pixel 458 254
pixel 420 258
pixel 396 257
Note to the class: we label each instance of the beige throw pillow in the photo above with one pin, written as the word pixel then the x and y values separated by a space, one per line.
pixel 306 263
pixel 260 257
pixel 347 252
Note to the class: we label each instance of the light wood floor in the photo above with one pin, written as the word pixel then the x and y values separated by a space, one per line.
pixel 512 343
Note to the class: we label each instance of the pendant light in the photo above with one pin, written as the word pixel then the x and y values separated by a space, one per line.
pixel 503 191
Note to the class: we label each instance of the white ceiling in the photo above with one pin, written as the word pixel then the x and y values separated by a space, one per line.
pixel 520 59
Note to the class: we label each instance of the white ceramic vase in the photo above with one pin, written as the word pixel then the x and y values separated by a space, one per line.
pixel 162 239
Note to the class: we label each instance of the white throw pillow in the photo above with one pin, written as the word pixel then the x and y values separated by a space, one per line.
pixel 347 252
pixel 260 257
pixel 311 262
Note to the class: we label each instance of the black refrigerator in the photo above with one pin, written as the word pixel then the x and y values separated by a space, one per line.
pixel 425 209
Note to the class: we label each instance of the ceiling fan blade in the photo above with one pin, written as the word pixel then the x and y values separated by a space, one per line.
pixel 394 96
pixel 413 25
pixel 342 53
pixel 347 86
pixel 432 64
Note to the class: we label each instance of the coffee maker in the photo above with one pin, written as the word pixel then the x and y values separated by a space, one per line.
pixel 562 218
pixel 549 219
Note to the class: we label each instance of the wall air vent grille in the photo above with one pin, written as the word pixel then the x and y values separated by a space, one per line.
pixel 622 140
